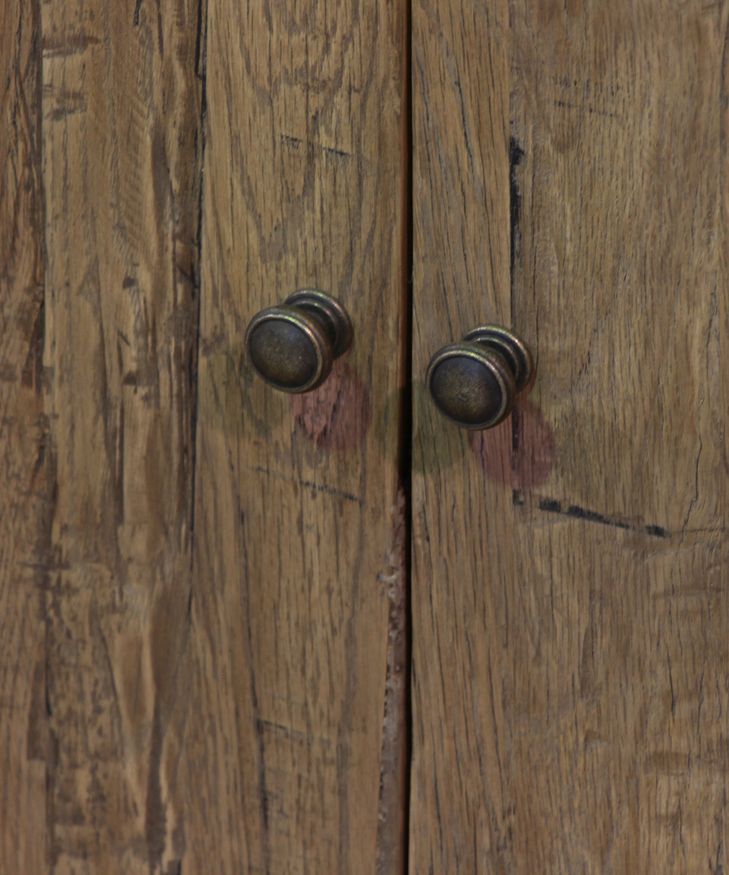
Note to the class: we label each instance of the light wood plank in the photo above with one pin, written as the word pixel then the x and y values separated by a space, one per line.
pixel 570 566
pixel 297 604
pixel 23 447
pixel 122 152
pixel 460 280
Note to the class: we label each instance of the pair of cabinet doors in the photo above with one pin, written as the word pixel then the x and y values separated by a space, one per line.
pixel 245 632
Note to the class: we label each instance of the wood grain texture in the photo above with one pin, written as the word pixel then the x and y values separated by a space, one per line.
pixel 23 505
pixel 570 567
pixel 121 164
pixel 460 280
pixel 293 745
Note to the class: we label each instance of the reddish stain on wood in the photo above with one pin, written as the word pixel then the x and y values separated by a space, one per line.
pixel 335 416
pixel 520 451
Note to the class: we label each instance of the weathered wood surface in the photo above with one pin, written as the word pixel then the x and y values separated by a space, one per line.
pixel 23 448
pixel 292 749
pixel 121 170
pixel 571 566
pixel 243 708
pixel 202 582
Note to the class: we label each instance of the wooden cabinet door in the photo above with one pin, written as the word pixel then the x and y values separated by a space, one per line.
pixel 333 634
pixel 292 760
pixel 570 567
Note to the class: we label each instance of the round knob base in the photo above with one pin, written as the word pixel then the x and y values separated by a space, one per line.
pixel 512 348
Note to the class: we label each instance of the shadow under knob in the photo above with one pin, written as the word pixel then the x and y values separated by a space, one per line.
pixel 475 382
pixel 293 346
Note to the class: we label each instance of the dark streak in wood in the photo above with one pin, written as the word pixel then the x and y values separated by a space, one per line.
pixel 310 484
pixel 201 47
pixel 137 12
pixel 72 44
pixel 563 104
pixel 552 505
pixel 516 156
pixel 296 142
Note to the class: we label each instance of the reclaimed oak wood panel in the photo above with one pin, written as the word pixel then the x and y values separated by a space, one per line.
pixel 23 447
pixel 460 279
pixel 292 747
pixel 121 165
pixel 571 566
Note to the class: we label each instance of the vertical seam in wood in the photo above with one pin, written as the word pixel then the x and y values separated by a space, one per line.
pixel 406 454
pixel 514 157
pixel 395 750
pixel 45 540
pixel 201 68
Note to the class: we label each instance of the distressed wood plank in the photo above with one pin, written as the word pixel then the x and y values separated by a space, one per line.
pixel 460 279
pixel 23 468
pixel 293 748
pixel 570 566
pixel 122 153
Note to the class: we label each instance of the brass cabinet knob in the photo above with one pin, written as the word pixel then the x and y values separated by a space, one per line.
pixel 293 346
pixel 475 382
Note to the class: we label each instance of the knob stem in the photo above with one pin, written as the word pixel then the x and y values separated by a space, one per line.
pixel 329 314
pixel 512 350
